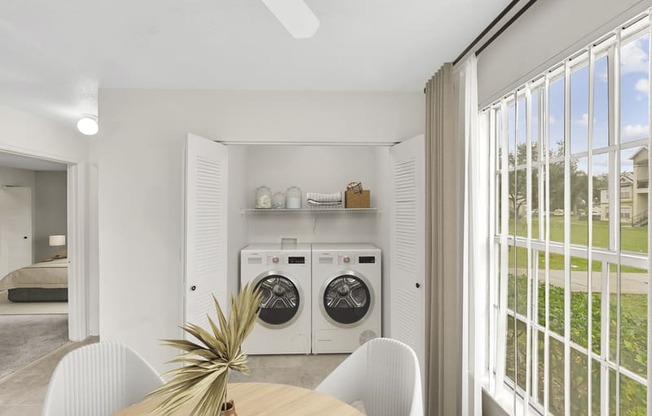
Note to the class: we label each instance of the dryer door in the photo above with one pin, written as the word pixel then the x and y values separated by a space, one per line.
pixel 347 298
pixel 281 299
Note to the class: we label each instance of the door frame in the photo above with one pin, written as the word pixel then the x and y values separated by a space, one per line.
pixel 77 238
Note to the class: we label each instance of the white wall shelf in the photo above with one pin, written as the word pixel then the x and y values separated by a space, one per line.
pixel 316 211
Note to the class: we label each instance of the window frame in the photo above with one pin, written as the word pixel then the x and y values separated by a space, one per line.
pixel 499 136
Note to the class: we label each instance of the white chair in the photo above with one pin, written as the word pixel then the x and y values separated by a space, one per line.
pixel 384 374
pixel 99 379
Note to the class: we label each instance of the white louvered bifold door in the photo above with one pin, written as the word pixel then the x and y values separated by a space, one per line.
pixel 206 226
pixel 407 245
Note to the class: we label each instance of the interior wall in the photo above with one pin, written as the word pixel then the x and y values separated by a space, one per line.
pixel 547 33
pixel 324 169
pixel 140 152
pixel 17 177
pixel 51 207
pixel 25 133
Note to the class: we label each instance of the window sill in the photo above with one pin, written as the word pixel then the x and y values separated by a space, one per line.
pixel 502 404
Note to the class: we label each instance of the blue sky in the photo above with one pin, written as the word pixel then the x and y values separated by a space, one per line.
pixel 634 84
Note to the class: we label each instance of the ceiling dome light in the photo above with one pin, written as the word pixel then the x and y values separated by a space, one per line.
pixel 88 125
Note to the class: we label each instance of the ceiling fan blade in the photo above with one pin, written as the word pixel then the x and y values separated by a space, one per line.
pixel 295 15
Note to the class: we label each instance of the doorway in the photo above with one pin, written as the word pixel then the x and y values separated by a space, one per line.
pixel 79 201
pixel 34 266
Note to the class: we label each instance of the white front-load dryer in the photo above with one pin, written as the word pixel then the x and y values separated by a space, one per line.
pixel 284 279
pixel 346 301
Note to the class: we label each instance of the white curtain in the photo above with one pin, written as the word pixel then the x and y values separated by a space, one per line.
pixel 475 247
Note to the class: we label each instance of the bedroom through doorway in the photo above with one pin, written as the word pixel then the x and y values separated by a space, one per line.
pixel 33 259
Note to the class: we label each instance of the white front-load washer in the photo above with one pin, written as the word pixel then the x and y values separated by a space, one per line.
pixel 346 300
pixel 284 279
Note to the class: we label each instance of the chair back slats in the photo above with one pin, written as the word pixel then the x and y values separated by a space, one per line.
pixel 99 379
pixel 384 374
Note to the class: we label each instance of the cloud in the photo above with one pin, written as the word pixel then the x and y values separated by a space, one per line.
pixel 633 57
pixel 635 131
pixel 583 120
pixel 642 85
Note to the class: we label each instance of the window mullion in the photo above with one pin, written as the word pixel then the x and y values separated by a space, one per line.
pixel 589 335
pixel 605 330
pixel 491 330
pixel 616 217
pixel 501 326
pixel 546 213
pixel 649 245
pixel 528 334
pixel 515 306
pixel 567 229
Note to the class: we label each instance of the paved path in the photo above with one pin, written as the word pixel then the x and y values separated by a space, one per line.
pixel 630 282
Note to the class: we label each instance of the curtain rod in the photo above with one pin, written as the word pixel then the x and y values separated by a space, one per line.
pixel 493 24
pixel 505 26
pixel 305 143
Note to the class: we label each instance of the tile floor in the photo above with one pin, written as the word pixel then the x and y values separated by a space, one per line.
pixel 298 370
pixel 23 392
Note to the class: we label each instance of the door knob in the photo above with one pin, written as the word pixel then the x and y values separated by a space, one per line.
pixel 193 287
pixel 418 285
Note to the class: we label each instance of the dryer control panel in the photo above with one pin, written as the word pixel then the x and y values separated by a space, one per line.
pixel 345 259
pixel 275 259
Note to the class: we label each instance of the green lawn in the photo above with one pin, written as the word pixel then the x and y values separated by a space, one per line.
pixel 633 239
pixel 633 324
pixel 633 348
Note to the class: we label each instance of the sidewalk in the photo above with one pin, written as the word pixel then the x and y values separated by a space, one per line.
pixel 632 283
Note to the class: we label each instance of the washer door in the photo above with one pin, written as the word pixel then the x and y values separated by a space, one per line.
pixel 347 298
pixel 281 299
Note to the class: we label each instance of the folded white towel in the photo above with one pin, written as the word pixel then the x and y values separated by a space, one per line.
pixel 321 197
pixel 314 203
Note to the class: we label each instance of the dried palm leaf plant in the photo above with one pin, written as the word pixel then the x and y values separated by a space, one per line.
pixel 206 363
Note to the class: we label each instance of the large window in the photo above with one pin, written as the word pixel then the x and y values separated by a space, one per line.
pixel 571 282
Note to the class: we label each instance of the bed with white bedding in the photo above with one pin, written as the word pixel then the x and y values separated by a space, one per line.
pixel 41 282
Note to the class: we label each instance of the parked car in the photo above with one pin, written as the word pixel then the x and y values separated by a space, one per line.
pixel 558 212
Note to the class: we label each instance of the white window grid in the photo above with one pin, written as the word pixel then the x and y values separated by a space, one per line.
pixel 608 46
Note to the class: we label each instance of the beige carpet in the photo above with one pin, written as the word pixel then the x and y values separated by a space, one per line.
pixel 31 308
pixel 26 338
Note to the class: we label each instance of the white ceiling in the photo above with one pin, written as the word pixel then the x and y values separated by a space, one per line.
pixel 55 54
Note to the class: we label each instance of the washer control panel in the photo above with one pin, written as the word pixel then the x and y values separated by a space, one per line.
pixel 276 259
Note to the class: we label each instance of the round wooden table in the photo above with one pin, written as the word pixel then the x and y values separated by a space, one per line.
pixel 260 399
